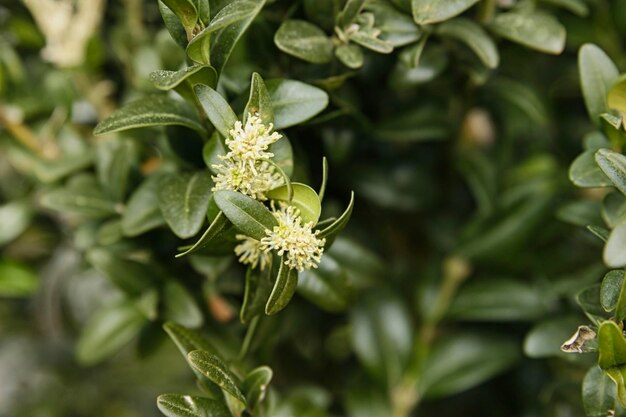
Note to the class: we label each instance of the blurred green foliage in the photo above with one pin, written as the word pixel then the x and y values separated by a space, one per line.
pixel 468 260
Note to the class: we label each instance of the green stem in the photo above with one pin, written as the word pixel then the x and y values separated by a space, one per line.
pixel 247 340
pixel 487 11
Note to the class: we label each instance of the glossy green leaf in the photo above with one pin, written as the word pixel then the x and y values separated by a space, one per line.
pixel 370 41
pixel 304 199
pixel 397 28
pixel 331 232
pixel 611 345
pixel 173 25
pixel 180 306
pixel 199 48
pixel 183 80
pixel 464 361
pixel 350 11
pixel 304 40
pixel 534 30
pixel 215 229
pixel 285 286
pixel 585 172
pixel 183 200
pixel 177 405
pixel 255 385
pixel 217 109
pixel 212 367
pixel 578 7
pixel 382 335
pixel 187 340
pixel 115 159
pixel 597 75
pixel 17 280
pixel 294 102
pixel 258 287
pixel 186 11
pixel 598 393
pixel 131 276
pixel 350 55
pixel 616 98
pixel 15 216
pixel 589 300
pixel 470 33
pixel 615 249
pixel 498 300
pixel 613 165
pixel 259 102
pixel 618 375
pixel 433 11
pixel 249 216
pixel 611 289
pixel 107 331
pixel 326 286
pixel 155 110
pixel 581 213
pixel 83 196
pixel 142 209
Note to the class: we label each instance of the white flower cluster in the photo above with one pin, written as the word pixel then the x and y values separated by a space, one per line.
pixel 245 168
pixel 291 238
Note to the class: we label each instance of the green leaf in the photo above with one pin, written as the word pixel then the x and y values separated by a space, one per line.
pixel 331 232
pixel 304 40
pixel 534 30
pixel 216 108
pixel 304 199
pixel 182 81
pixel 283 155
pixel 186 11
pixel 350 11
pixel 223 40
pixel 199 48
pixel 585 172
pixel 259 102
pixel 180 306
pixel 115 158
pixel 615 249
pixel 82 195
pixel 618 375
pixel 581 213
pixel 17 280
pixel 107 331
pixel 177 405
pixel 589 300
pixel 258 288
pixel 610 291
pixel 154 110
pixel 284 288
pixel 611 345
pixel 597 75
pixel 255 385
pixel 294 102
pixel 130 276
pixel 613 164
pixel 464 361
pixel 370 41
pixel 470 33
pixel 545 338
pixel 616 98
pixel 248 215
pixel 212 367
pixel 326 286
pixel 15 216
pixel 187 340
pixel 350 55
pixel 183 200
pixel 173 25
pixel 598 393
pixel 217 227
pixel 142 209
pixel 578 7
pixel 382 335
pixel 397 28
pixel 498 300
pixel 433 11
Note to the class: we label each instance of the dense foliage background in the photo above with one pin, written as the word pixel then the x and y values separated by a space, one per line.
pixel 465 264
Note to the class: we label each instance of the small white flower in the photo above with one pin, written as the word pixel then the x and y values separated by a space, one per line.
pixel 298 241
pixel 244 168
pixel 250 143
pixel 250 252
